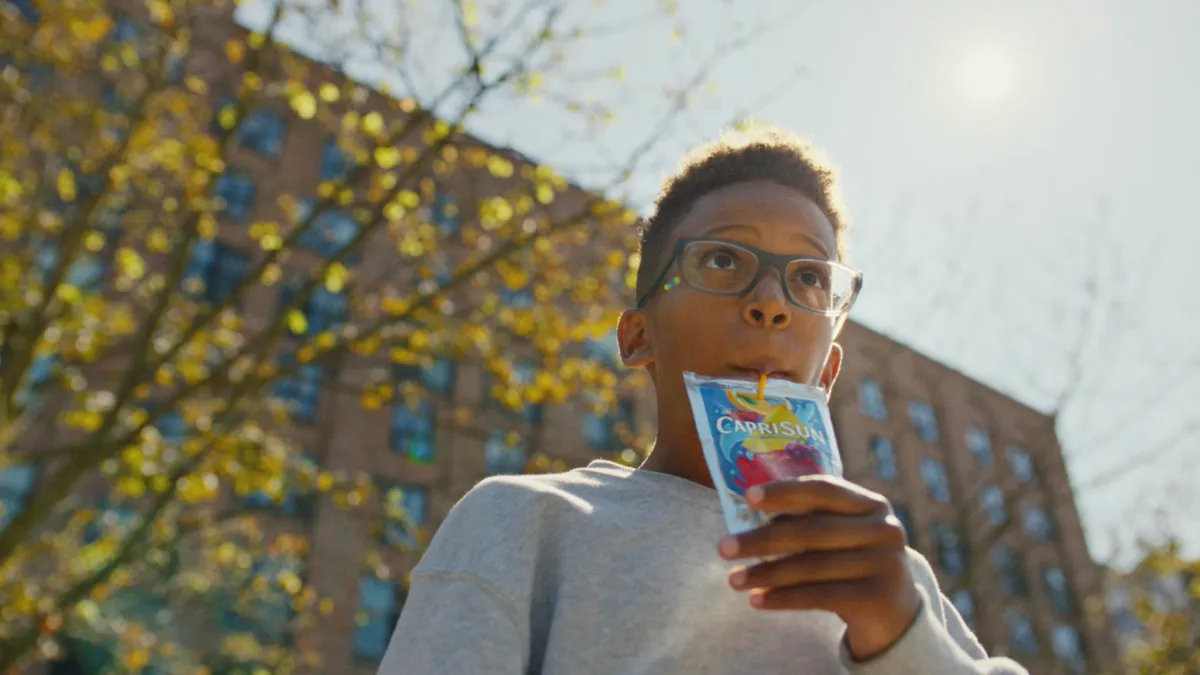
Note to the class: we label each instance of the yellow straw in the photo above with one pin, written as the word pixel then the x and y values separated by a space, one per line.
pixel 762 384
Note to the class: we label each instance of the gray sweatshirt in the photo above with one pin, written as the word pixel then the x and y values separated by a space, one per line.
pixel 608 570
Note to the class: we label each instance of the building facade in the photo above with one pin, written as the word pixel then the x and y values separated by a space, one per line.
pixel 977 478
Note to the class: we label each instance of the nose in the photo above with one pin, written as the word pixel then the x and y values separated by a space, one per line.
pixel 766 305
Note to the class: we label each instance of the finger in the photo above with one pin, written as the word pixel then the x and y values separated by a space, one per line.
pixel 809 494
pixel 814 567
pixel 786 535
pixel 839 597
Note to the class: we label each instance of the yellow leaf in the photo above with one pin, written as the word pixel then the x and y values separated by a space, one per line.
pixel 387 157
pixel 335 277
pixel 196 85
pixel 130 263
pixel 157 241
pixel 499 167
pixel 544 193
pixel 66 185
pixel 372 123
pixel 304 104
pixel 408 199
pixel 296 321
pixel 329 93
pixel 235 51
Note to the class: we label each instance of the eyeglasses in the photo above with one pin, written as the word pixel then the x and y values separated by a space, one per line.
pixel 724 267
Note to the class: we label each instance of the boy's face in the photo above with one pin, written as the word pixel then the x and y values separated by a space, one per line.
pixel 730 335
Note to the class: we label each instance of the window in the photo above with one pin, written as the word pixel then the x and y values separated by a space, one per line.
pixel 1037 523
pixel 517 298
pixel 123 30
pixel 933 474
pixel 171 426
pixel 950 553
pixel 1012 571
pixel 375 619
pixel 980 446
pixel 16 482
pixel 405 510
pixel 885 458
pixel 412 430
pixel 964 603
pixel 236 190
pixel 1020 463
pixel 521 374
pixel 266 610
pixel 85 273
pixel 335 164
pixel 110 521
pixel 437 376
pixel 214 270
pixel 924 420
pixel 991 498
pixel 37 376
pixel 323 311
pixel 870 399
pixel 905 518
pixel 329 232
pixel 1056 589
pixel 444 214
pixel 504 453
pixel 262 131
pixel 600 430
pixel 27 9
pixel 300 389
pixel 603 350
pixel 1065 642
pixel 296 496
pixel 1020 632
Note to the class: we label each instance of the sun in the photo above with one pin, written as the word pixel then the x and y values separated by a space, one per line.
pixel 986 76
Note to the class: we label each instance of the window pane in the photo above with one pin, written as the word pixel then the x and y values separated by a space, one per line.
pixel 1056 589
pixel 924 420
pixel 374 618
pixel 1066 644
pixel 262 131
pixel 237 189
pixel 335 164
pixel 300 389
pixel 965 604
pixel 980 446
pixel 950 555
pixel 905 518
pixel 1020 632
pixel 1037 523
pixel 933 474
pixel 16 482
pixel 1012 571
pixel 412 430
pixel 992 501
pixel 503 454
pixel 885 458
pixel 870 399
pixel 1020 463
pixel 406 509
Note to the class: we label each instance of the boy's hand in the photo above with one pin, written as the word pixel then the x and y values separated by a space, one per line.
pixel 834 546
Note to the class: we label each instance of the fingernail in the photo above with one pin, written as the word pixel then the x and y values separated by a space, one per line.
pixel 754 495
pixel 756 598
pixel 728 546
pixel 738 579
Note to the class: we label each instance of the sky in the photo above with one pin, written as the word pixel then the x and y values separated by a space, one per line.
pixel 1020 179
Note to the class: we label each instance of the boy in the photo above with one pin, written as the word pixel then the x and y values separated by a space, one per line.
pixel 611 570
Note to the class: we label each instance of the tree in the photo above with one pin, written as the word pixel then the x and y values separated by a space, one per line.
pixel 1161 604
pixel 164 322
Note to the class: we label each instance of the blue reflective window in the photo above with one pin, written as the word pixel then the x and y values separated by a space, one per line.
pixel 329 232
pixel 503 455
pixel 870 399
pixel 325 310
pixel 335 164
pixel 301 390
pixel 885 458
pixel 933 474
pixel 237 190
pixel 16 482
pixel 412 430
pixel 214 270
pixel 924 420
pixel 405 509
pixel 262 131
pixel 375 618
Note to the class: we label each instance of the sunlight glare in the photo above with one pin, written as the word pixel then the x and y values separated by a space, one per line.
pixel 986 76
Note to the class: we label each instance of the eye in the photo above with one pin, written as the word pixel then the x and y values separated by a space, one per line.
pixel 812 278
pixel 721 259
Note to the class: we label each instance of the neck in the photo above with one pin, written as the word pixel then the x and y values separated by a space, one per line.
pixel 677 453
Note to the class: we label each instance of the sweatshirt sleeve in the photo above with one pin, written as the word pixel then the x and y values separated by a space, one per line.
pixel 455 623
pixel 939 641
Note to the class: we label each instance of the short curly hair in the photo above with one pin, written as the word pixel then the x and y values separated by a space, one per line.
pixel 750 152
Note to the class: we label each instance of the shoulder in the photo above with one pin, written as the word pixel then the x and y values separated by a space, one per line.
pixel 512 520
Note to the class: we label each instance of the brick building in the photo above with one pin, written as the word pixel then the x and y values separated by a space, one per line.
pixel 977 478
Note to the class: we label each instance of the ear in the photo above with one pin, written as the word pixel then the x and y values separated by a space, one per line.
pixel 833 366
pixel 633 339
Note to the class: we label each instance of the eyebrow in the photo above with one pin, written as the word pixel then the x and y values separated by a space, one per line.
pixel 814 241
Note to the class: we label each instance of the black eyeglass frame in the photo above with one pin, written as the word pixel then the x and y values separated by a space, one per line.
pixel 766 260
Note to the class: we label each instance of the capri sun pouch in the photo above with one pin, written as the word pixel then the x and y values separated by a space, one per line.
pixel 749 440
